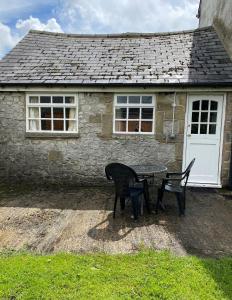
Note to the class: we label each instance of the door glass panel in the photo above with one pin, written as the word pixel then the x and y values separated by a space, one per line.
pixel 194 128
pixel 213 117
pixel 205 105
pixel 195 116
pixel 203 129
pixel 213 105
pixel 204 116
pixel 212 129
pixel 196 105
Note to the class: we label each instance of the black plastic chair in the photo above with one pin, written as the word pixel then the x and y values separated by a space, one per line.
pixel 127 185
pixel 173 185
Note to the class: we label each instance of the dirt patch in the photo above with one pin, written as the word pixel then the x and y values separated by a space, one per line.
pixel 80 220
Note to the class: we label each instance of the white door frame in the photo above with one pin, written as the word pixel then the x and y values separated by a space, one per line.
pixel 218 185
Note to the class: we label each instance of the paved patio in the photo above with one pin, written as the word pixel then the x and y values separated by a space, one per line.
pixel 80 220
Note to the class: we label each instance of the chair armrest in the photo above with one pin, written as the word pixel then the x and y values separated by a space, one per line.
pixel 166 180
pixel 174 174
pixel 144 181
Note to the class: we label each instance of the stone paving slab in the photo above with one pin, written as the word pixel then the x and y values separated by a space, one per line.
pixel 80 220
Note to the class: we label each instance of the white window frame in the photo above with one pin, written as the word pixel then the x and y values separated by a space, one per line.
pixel 140 105
pixel 39 105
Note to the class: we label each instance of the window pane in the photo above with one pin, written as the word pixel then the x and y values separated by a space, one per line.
pixel 147 99
pixel 146 126
pixel 133 126
pixel 57 99
pixel 134 99
pixel 195 116
pixel 213 105
pixel 203 129
pixel 58 125
pixel 34 99
pixel 204 116
pixel 194 128
pixel 133 113
pixel 71 125
pixel 33 112
pixel 120 113
pixel 122 99
pixel 45 112
pixel 196 105
pixel 58 112
pixel 205 105
pixel 147 113
pixel 212 129
pixel 45 99
pixel 70 113
pixel 213 117
pixel 34 125
pixel 120 126
pixel 69 99
pixel 46 124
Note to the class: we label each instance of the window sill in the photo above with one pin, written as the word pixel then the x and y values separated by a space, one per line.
pixel 53 135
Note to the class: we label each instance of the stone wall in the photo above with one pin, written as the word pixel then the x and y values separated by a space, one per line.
pixel 81 160
pixel 226 153
pixel 217 13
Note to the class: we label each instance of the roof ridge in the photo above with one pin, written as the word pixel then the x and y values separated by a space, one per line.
pixel 120 35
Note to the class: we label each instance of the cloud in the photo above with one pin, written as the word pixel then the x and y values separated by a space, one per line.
pixel 9 37
pixel 94 16
pixel 10 10
pixel 35 23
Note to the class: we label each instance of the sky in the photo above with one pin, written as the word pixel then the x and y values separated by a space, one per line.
pixel 17 17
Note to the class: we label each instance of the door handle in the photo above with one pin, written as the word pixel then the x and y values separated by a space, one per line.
pixel 188 135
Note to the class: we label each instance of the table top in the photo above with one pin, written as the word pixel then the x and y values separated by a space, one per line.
pixel 149 169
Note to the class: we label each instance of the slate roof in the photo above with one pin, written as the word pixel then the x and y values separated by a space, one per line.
pixel 194 57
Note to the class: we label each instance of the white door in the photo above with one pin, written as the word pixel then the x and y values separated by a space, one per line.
pixel 203 138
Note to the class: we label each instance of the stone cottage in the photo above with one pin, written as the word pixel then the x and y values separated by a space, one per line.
pixel 70 104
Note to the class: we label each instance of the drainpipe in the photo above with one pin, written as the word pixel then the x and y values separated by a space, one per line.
pixel 173 135
pixel 230 175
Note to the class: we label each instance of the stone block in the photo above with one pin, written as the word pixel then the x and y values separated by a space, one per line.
pixel 95 118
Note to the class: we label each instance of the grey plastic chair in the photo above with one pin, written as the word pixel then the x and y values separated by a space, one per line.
pixel 127 185
pixel 172 184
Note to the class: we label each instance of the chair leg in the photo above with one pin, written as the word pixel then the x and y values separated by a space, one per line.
pixel 184 201
pixel 115 205
pixel 146 196
pixel 179 198
pixel 160 194
pixel 122 203
pixel 135 206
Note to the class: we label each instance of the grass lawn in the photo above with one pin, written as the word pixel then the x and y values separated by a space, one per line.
pixel 146 275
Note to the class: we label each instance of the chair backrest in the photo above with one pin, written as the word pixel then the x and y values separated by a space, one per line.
pixel 187 171
pixel 123 177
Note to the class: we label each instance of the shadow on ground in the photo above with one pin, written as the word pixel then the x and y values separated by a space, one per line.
pixel 80 220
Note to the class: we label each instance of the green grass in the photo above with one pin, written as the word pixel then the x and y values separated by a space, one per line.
pixel 146 275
